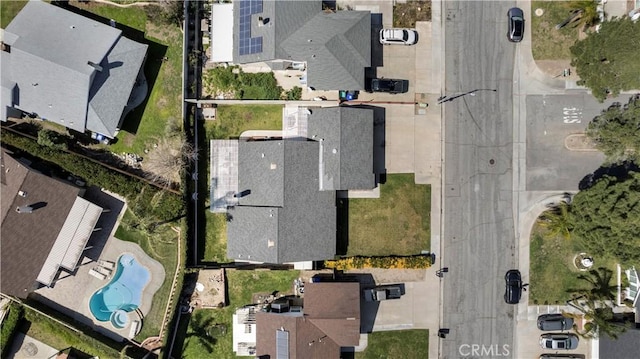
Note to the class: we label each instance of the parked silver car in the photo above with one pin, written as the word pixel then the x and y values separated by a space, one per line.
pixel 559 341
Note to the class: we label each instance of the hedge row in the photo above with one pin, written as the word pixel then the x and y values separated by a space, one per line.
pixel 144 199
pixel 390 262
pixel 9 327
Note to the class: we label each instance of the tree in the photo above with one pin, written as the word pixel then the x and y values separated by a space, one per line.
pixel 599 287
pixel 606 217
pixel 600 320
pixel 202 327
pixel 587 11
pixel 607 60
pixel 616 131
pixel 557 220
pixel 167 161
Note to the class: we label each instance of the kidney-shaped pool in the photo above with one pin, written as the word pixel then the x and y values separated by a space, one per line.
pixel 122 294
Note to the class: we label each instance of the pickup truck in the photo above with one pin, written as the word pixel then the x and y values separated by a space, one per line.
pixel 383 292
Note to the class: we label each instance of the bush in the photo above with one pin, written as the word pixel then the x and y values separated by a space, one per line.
pixel 10 326
pixel 294 94
pixel 166 206
pixel 391 262
pixel 51 139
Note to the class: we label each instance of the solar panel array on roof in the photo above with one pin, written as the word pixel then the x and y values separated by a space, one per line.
pixel 246 43
pixel 282 344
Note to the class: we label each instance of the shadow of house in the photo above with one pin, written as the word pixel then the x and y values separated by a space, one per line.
pixel 97 65
pixel 38 242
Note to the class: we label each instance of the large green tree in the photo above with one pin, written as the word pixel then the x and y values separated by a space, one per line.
pixel 557 221
pixel 606 217
pixel 616 131
pixel 607 60
pixel 587 13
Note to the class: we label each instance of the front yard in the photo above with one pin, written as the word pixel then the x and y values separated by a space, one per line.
pixel 404 344
pixel 241 286
pixel 547 42
pixel 396 223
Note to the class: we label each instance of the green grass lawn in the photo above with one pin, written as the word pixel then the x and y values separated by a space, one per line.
pixel 241 286
pixel 232 120
pixel 162 246
pixel 215 249
pixel 551 269
pixel 396 223
pixel 547 43
pixel 9 10
pixel 403 344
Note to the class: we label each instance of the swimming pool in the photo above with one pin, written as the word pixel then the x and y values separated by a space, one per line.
pixel 122 294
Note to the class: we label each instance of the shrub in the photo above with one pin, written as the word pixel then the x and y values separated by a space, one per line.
pixel 10 326
pixel 294 94
pixel 167 206
pixel 391 262
pixel 51 139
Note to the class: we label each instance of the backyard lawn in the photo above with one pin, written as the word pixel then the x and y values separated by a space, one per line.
pixel 551 269
pixel 547 42
pixel 404 344
pixel 241 286
pixel 9 10
pixel 232 120
pixel 215 249
pixel 396 223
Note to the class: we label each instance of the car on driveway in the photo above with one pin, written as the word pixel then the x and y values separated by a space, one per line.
pixel 559 341
pixel 392 86
pixel 554 322
pixel 513 286
pixel 516 24
pixel 398 36
pixel 382 292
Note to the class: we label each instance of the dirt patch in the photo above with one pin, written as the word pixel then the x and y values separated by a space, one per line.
pixel 210 289
pixel 406 14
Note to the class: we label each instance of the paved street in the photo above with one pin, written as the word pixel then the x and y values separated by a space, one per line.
pixel 478 234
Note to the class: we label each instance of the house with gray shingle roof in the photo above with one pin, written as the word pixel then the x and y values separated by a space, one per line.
pixel 69 69
pixel 336 46
pixel 281 197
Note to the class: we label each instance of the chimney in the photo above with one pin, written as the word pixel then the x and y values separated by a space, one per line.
pixel 95 66
pixel 260 21
pixel 24 209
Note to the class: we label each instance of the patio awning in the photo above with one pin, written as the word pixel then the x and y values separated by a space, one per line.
pixel 72 239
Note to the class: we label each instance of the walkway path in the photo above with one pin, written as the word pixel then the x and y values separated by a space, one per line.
pixel 142 3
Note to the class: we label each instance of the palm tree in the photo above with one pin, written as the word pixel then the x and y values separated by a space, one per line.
pixel 601 321
pixel 600 288
pixel 557 220
pixel 587 13
pixel 199 328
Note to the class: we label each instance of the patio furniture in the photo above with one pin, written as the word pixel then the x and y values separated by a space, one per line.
pixel 134 329
pixel 97 274
pixel 103 270
pixel 106 264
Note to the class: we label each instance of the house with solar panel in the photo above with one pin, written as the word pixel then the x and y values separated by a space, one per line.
pixel 62 67
pixel 334 47
pixel 279 190
pixel 46 224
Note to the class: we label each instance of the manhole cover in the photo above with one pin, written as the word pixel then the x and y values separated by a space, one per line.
pixel 539 12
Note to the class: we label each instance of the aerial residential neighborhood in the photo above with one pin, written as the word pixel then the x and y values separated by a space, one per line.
pixel 320 179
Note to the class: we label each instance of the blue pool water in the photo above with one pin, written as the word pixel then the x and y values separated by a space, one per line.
pixel 122 293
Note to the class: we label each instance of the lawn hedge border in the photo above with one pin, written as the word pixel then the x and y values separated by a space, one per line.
pixel 164 205
pixel 10 326
pixel 386 262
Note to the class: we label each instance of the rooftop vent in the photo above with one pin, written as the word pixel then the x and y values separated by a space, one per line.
pixel 24 209
pixel 22 193
pixel 94 65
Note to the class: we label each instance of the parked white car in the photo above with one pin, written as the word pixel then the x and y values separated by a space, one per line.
pixel 398 36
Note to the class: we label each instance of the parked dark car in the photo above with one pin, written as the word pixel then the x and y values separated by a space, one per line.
pixel 513 290
pixel 382 292
pixel 389 85
pixel 559 341
pixel 554 322
pixel 561 356
pixel 516 24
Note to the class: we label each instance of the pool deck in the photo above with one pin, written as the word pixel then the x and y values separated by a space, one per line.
pixel 71 292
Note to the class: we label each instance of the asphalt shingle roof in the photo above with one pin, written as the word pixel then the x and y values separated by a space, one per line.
pixel 283 216
pixel 346 136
